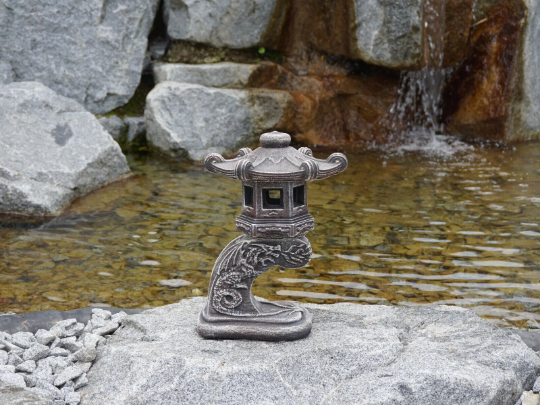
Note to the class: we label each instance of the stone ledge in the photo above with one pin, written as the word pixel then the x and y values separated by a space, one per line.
pixel 355 354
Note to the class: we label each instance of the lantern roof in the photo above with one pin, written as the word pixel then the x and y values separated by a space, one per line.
pixel 275 160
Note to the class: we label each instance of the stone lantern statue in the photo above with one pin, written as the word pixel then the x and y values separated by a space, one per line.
pixel 274 220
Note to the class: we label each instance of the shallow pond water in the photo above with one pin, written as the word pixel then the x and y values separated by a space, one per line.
pixel 394 229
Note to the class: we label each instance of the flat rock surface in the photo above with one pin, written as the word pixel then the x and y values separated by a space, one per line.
pixel 224 23
pixel 190 120
pixel 53 151
pixel 91 50
pixel 355 354
pixel 224 74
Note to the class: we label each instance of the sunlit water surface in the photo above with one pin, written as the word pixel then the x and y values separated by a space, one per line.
pixel 397 228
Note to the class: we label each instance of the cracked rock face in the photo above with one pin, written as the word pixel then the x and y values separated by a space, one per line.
pixel 354 354
pixel 91 51
pixel 53 151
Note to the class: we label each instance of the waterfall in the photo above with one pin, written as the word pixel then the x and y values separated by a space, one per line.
pixel 418 106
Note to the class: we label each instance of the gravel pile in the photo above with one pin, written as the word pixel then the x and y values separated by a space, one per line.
pixel 53 363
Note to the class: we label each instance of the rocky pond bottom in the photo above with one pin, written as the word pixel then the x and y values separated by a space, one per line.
pixel 373 355
pixel 397 228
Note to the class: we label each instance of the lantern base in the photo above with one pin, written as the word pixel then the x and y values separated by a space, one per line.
pixel 277 321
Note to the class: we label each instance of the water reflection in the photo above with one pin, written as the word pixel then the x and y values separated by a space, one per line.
pixel 395 229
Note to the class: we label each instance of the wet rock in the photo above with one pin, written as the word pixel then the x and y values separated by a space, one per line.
pixel 428 355
pixel 229 24
pixel 224 74
pixel 136 129
pixel 389 33
pixel 99 66
pixel 190 120
pixel 16 395
pixel 58 151
pixel 495 91
pixel 457 27
pixel 113 125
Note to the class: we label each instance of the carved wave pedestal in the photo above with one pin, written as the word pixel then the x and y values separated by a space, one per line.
pixel 232 312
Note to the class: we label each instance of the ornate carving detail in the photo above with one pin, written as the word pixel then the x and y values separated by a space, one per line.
pixel 243 152
pixel 305 151
pixel 243 260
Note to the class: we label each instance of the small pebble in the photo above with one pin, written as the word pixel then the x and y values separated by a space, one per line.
pixel 58 351
pixel 70 344
pixel 85 355
pixel 14 359
pixel 23 339
pixel 101 313
pixel 36 351
pixel 81 381
pixel 28 366
pixel 72 398
pixel 12 378
pixel 7 369
pixel 106 329
pixel 44 336
pixel 91 340
pixel 175 283
pixel 3 357
pixel 30 380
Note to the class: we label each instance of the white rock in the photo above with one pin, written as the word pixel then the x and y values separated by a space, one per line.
pixel 90 340
pixel 225 74
pixel 81 381
pixel 70 344
pixel 3 357
pixel 91 51
pixel 8 368
pixel 529 398
pixel 101 313
pixel 29 366
pixel 85 355
pixel 118 316
pixel 175 283
pixel 67 328
pixel 23 339
pixel 106 329
pixel 58 151
pixel 44 336
pixel 58 351
pixel 72 373
pixel 12 378
pixel 36 351
pixel 72 398
pixel 14 359
pixel 136 129
pixel 191 120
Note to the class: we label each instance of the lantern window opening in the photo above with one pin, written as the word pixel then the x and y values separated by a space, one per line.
pixel 272 198
pixel 299 196
pixel 248 196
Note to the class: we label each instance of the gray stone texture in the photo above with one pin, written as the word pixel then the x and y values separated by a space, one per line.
pixel 527 121
pixel 14 395
pixel 91 51
pixel 57 151
pixel 6 72
pixel 113 125
pixel 388 32
pixel 224 23
pixel 224 74
pixel 191 120
pixel 354 354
